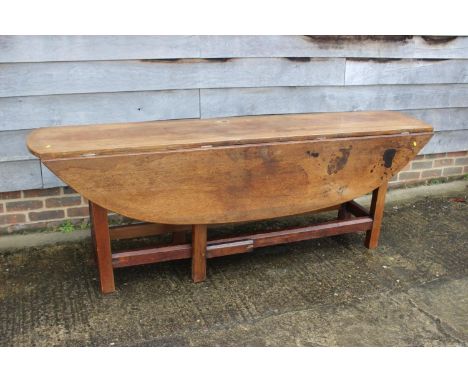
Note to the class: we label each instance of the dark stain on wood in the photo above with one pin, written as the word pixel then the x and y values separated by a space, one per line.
pixel 341 40
pixel 298 59
pixel 388 156
pixel 437 40
pixel 312 154
pixel 337 163
pixel 386 60
pixel 161 61
pixel 219 59
pixel 373 59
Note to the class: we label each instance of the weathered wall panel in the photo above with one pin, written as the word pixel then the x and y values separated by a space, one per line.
pixel 443 119
pixel 39 111
pixel 89 48
pixel 278 100
pixel 13 146
pixel 447 141
pixel 334 46
pixel 49 180
pixel 66 80
pixel 114 76
pixel 381 72
pixel 20 175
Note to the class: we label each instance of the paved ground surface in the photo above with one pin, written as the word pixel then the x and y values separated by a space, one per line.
pixel 411 291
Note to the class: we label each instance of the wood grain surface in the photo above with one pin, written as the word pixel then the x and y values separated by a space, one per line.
pixel 238 182
pixel 132 138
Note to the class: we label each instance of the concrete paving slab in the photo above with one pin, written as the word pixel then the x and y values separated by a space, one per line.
pixel 329 291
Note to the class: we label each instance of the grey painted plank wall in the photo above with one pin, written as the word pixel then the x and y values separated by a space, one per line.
pixel 379 72
pixel 66 80
pixel 278 100
pixel 88 48
pixel 114 76
pixel 18 113
pixel 326 46
pixel 447 141
pixel 20 175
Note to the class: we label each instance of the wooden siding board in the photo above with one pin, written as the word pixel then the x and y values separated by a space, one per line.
pixel 447 141
pixel 49 180
pixel 279 100
pixel 89 48
pixel 115 76
pixel 20 175
pixel 80 109
pixel 390 72
pixel 323 46
pixel 443 119
pixel 13 146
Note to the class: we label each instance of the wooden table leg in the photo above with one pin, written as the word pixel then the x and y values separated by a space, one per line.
pixel 376 212
pixel 102 247
pixel 343 212
pixel 199 253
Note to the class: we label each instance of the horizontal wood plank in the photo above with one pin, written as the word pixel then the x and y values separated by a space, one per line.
pixel 280 100
pixel 392 72
pixel 25 79
pixel 334 46
pixel 447 141
pixel 443 119
pixel 49 180
pixel 20 175
pixel 19 113
pixel 88 48
pixel 13 146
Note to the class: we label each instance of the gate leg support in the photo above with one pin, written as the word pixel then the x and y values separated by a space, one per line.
pixel 376 212
pixel 343 212
pixel 199 253
pixel 102 247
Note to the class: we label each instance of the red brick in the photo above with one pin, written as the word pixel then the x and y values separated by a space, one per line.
pixel 431 173
pixel 77 211
pixel 421 165
pixel 457 154
pixel 10 195
pixel 443 162
pixel 1 208
pixel 461 161
pixel 465 170
pixel 452 171
pixel 64 201
pixel 23 205
pixel 12 219
pixel 68 190
pixel 46 215
pixel 409 175
pixel 432 156
pixel 41 192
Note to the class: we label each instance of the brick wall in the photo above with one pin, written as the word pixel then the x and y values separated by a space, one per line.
pixel 46 209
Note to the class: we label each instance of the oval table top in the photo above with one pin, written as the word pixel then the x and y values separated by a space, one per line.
pixel 139 137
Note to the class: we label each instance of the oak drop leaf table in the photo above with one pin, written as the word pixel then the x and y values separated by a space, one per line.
pixel 189 174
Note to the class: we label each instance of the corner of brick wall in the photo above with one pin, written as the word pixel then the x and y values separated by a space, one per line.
pixel 425 169
pixel 46 209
